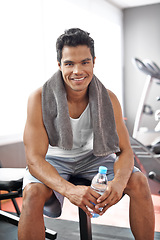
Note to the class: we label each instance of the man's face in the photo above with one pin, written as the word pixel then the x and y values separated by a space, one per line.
pixel 77 67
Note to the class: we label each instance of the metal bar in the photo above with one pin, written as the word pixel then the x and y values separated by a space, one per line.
pixel 142 153
pixel 16 206
pixel 8 217
pixel 9 195
pixel 85 225
pixel 141 104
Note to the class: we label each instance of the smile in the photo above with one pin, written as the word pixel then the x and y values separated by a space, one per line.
pixel 78 79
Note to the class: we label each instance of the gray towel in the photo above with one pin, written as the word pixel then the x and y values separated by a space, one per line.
pixel 57 120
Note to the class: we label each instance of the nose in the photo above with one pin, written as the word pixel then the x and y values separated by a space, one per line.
pixel 77 69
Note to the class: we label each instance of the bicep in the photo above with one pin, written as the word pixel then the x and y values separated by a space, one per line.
pixel 35 136
pixel 124 142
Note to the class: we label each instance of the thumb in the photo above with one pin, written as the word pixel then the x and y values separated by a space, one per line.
pixel 104 195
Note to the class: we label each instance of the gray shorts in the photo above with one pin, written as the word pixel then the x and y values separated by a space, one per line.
pixel 85 166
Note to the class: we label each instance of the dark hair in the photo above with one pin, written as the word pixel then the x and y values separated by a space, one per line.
pixel 74 37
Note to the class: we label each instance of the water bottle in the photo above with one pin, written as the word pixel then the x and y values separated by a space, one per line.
pixel 99 184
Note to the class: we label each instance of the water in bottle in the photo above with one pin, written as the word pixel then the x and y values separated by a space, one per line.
pixel 99 184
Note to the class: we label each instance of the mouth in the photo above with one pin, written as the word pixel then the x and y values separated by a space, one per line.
pixel 78 79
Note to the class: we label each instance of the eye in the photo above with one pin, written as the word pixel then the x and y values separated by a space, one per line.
pixel 85 63
pixel 68 64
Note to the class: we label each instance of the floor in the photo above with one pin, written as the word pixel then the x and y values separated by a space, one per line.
pixel 117 215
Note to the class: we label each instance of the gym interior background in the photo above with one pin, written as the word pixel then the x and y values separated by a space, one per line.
pixel 28 58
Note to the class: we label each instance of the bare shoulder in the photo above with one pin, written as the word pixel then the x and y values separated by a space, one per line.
pixel 115 102
pixel 34 132
pixel 35 96
pixel 124 142
pixel 112 96
pixel 34 102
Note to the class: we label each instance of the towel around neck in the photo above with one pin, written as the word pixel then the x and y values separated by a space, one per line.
pixel 56 117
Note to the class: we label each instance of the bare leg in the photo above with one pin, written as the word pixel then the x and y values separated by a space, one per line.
pixel 31 224
pixel 142 219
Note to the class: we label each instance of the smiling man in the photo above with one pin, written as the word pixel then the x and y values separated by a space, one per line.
pixel 74 125
pixel 77 67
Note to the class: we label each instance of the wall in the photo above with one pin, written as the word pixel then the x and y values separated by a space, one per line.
pixel 12 155
pixel 141 40
pixel 29 30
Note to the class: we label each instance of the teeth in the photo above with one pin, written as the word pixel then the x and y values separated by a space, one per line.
pixel 78 79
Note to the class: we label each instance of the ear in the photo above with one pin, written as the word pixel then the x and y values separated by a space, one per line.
pixel 94 61
pixel 59 65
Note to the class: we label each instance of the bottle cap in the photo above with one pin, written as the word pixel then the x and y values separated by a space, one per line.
pixel 102 170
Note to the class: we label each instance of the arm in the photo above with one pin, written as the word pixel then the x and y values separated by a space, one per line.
pixel 36 143
pixel 124 164
pixel 36 146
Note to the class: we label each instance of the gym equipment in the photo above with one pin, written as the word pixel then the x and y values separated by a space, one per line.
pixel 144 158
pixel 153 175
pixel 11 181
pixel 153 74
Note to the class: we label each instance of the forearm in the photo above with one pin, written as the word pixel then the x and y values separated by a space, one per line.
pixel 47 174
pixel 81 196
pixel 123 167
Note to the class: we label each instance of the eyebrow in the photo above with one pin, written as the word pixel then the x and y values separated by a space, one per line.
pixel 67 61
pixel 84 60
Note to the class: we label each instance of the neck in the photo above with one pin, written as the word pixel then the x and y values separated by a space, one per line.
pixel 77 96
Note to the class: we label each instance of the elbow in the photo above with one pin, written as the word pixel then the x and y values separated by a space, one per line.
pixel 31 163
pixel 35 163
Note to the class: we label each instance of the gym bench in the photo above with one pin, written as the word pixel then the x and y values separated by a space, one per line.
pixel 11 181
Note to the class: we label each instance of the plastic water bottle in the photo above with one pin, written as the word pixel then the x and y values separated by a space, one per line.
pixel 99 184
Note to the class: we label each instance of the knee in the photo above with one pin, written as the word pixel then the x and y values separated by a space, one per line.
pixel 33 196
pixel 138 185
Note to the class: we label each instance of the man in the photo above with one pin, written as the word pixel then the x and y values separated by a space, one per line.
pixel 74 125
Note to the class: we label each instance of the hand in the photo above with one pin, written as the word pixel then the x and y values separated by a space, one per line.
pixel 82 196
pixel 110 197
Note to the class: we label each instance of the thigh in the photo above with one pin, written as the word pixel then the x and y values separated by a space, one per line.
pixel 88 167
pixel 53 205
pixel 64 166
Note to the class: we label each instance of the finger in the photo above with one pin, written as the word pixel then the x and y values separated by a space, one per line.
pixel 86 210
pixel 90 210
pixel 106 202
pixel 108 205
pixel 93 199
pixel 105 195
pixel 91 206
pixel 93 209
pixel 94 193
